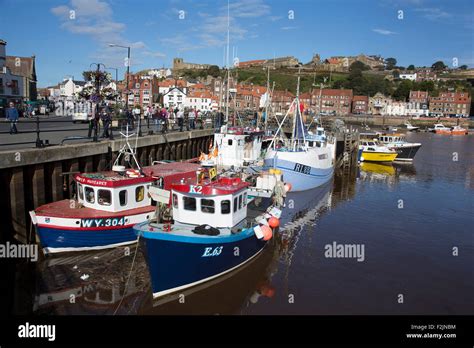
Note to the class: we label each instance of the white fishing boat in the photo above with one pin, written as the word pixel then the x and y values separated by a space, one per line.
pixel 306 160
pixel 410 127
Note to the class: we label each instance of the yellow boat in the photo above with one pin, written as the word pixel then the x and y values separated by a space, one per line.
pixel 372 151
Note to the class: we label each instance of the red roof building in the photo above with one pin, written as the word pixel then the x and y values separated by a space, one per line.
pixel 451 104
pixel 360 104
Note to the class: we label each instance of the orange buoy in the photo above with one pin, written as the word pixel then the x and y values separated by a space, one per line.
pixel 267 232
pixel 273 222
pixel 288 187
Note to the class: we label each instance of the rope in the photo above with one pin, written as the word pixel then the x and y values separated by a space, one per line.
pixel 128 279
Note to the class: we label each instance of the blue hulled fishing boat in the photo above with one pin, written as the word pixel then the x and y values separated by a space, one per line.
pixel 210 233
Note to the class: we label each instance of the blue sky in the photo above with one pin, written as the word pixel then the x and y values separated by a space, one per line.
pixel 66 43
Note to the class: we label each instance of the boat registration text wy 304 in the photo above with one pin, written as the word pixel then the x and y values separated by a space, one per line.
pixel 109 222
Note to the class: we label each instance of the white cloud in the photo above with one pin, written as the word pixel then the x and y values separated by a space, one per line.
pixel 433 13
pixel 288 28
pixel 383 31
pixel 247 9
pixel 275 18
pixel 154 54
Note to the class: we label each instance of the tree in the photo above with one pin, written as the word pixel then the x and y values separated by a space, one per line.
pixel 396 74
pixel 463 67
pixel 214 71
pixel 411 67
pixel 358 66
pixel 439 66
pixel 390 63
pixel 403 90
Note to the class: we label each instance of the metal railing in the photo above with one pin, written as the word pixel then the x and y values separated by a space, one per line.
pixel 141 124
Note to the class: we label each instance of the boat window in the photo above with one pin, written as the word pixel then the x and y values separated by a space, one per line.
pixel 310 143
pixel 245 199
pixel 139 193
pixel 229 142
pixel 90 196
pixel 123 197
pixel 207 206
pixel 240 202
pixel 81 192
pixel 371 143
pixel 189 203
pixel 235 204
pixel 225 207
pixel 175 200
pixel 323 156
pixel 104 197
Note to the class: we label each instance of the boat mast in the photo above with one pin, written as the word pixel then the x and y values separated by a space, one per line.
pixel 297 106
pixel 267 99
pixel 228 67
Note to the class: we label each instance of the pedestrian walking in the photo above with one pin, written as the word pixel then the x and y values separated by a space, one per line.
pixel 180 117
pixel 106 121
pixel 192 119
pixel 12 116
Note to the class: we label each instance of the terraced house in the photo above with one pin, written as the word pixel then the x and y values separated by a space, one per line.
pixel 451 104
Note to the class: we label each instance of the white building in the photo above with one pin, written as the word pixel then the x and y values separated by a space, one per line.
pixel 417 109
pixel 396 108
pixel 201 101
pixel 408 76
pixel 175 97
pixel 69 87
pixel 160 73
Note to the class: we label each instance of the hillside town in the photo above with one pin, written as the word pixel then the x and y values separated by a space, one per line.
pixel 170 88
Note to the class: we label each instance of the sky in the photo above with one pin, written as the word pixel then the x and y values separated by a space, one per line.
pixel 66 36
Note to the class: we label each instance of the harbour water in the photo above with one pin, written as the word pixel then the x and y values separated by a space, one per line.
pixel 408 227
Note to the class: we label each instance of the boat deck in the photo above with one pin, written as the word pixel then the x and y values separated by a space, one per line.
pixel 71 209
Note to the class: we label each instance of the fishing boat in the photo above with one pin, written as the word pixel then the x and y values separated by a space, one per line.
pixel 411 128
pixel 106 206
pixel 406 151
pixel 439 128
pixel 210 234
pixel 373 151
pixel 458 130
pixel 236 146
pixel 307 160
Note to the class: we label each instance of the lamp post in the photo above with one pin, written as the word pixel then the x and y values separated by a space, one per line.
pixel 128 68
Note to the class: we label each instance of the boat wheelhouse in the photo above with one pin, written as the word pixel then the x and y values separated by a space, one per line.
pixel 372 151
pixel 439 128
pixel 211 233
pixel 406 151
pixel 237 146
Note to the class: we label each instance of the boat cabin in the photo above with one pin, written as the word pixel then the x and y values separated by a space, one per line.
pixel 316 139
pixel 392 138
pixel 113 191
pixel 237 146
pixel 221 203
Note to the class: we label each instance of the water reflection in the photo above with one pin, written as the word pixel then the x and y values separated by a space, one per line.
pixel 362 207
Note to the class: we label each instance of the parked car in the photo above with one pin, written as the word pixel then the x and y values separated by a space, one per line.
pixel 80 117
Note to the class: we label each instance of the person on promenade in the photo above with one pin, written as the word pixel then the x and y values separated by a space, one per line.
pixel 156 118
pixel 106 120
pixel 180 117
pixel 192 119
pixel 164 119
pixel 12 115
